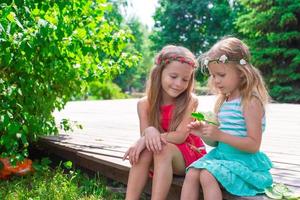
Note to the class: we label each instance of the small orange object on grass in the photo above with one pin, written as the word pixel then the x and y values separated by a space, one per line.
pixel 21 168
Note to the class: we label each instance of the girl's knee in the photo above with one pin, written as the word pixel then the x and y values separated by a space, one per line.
pixel 146 157
pixel 206 177
pixel 147 154
pixel 193 174
pixel 164 153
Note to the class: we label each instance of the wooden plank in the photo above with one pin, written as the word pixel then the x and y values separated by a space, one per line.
pixel 107 160
pixel 82 149
pixel 288 166
pixel 284 157
pixel 113 144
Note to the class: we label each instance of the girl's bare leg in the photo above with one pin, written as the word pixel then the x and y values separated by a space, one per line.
pixel 138 176
pixel 191 185
pixel 167 162
pixel 210 186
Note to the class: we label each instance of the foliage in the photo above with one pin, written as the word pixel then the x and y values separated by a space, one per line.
pixel 134 78
pixel 192 23
pixel 49 51
pixel 106 90
pixel 272 32
pixel 64 184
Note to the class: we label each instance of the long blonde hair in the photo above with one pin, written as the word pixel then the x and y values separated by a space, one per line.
pixel 252 82
pixel 154 87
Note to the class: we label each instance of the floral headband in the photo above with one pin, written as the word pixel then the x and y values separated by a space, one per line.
pixel 223 59
pixel 167 60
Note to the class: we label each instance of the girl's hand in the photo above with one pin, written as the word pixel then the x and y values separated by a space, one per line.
pixel 210 132
pixel 196 128
pixel 133 153
pixel 153 139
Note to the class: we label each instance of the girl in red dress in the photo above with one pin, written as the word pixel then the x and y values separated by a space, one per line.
pixel 165 147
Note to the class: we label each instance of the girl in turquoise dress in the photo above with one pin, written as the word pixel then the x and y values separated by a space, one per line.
pixel 236 162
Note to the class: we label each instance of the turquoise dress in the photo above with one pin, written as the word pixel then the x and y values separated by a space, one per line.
pixel 239 172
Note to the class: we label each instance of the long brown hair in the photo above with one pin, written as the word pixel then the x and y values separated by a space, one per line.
pixel 154 87
pixel 252 82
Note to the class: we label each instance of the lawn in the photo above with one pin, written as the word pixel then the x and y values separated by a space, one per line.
pixel 60 182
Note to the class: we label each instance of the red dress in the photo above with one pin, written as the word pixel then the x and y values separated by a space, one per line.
pixel 193 147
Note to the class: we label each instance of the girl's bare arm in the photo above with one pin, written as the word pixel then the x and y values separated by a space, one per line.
pixel 253 113
pixel 142 110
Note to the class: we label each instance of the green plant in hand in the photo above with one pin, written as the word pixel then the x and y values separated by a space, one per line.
pixel 206 117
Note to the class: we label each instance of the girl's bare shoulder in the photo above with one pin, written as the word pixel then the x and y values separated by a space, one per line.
pixel 254 102
pixel 254 107
pixel 143 103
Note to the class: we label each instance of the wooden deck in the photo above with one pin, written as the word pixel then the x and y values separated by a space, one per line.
pixel 110 127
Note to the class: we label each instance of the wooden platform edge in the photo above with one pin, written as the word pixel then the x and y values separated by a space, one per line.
pixel 114 169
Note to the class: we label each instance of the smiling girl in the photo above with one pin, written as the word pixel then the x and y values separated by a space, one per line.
pixel 165 146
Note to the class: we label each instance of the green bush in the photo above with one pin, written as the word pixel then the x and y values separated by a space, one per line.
pixel 107 90
pixel 49 51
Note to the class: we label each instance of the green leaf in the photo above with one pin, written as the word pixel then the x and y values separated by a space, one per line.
pixel 273 195
pixel 19 23
pixel 24 140
pixel 13 128
pixel 45 161
pixel 201 117
pixel 11 16
pixel 280 191
pixel 68 164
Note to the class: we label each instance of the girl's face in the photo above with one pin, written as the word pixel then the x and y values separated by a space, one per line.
pixel 175 80
pixel 226 79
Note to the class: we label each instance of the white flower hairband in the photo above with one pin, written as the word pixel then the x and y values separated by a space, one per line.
pixel 223 59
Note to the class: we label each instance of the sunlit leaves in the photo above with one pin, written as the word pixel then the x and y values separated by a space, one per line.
pixel 48 52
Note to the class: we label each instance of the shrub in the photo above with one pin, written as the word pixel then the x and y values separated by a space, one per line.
pixel 107 90
pixel 48 52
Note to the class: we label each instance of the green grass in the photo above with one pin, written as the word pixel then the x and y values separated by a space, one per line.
pixel 56 184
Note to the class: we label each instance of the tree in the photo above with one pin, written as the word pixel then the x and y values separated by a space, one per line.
pixel 272 32
pixel 194 24
pixel 49 51
pixel 134 78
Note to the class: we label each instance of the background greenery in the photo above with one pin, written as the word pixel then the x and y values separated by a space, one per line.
pixel 52 52
pixel 272 29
